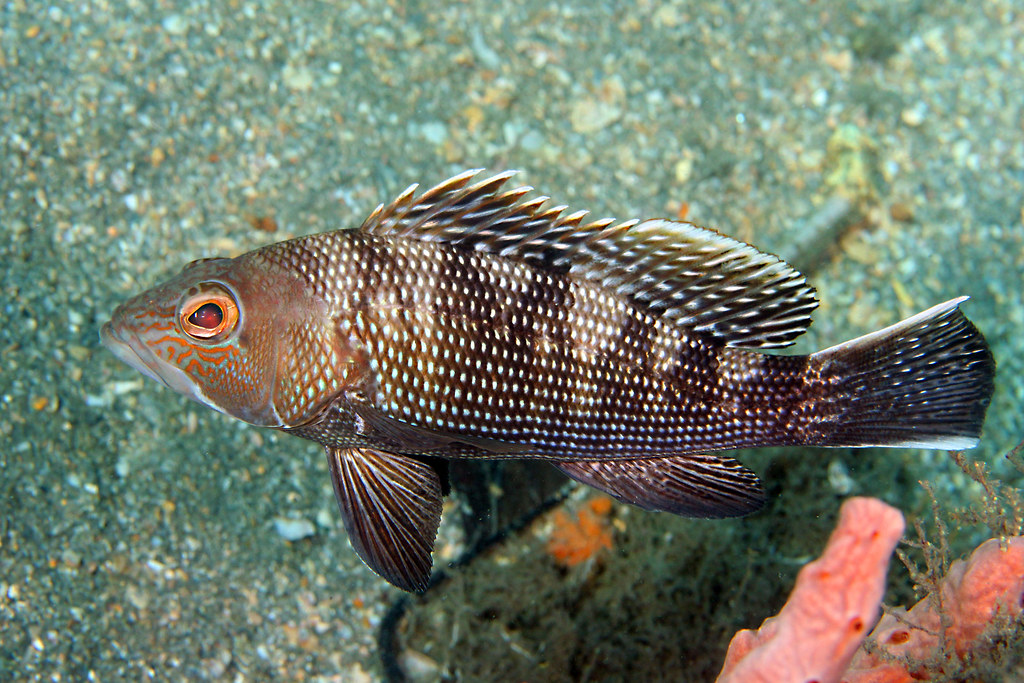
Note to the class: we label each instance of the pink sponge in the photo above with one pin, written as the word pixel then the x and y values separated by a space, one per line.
pixel 816 636
pixel 835 602
pixel 990 582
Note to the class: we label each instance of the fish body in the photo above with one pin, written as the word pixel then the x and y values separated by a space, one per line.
pixel 472 321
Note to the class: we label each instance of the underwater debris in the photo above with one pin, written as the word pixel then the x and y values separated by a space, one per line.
pixel 851 160
pixel 573 542
pixel 1001 509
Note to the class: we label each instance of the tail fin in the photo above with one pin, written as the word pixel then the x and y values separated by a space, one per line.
pixel 921 383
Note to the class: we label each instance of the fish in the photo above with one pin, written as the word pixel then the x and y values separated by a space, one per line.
pixel 476 320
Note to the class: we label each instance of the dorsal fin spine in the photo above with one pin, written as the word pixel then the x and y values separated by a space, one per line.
pixel 694 277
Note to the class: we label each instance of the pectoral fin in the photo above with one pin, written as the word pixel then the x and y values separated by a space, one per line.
pixel 391 505
pixel 706 486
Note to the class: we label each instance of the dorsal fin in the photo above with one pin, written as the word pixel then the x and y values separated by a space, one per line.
pixel 699 278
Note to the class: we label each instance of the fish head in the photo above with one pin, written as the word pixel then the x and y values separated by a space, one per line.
pixel 209 334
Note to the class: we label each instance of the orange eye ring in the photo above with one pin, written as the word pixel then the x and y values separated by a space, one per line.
pixel 209 315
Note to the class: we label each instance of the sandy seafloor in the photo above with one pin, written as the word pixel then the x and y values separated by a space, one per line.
pixel 137 530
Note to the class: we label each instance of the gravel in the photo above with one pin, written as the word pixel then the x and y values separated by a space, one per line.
pixel 141 535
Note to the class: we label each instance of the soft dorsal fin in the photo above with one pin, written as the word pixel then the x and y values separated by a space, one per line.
pixel 703 280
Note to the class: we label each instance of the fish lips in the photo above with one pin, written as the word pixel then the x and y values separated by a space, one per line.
pixel 136 353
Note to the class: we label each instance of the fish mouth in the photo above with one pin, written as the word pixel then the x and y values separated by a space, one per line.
pixel 130 349
pixel 128 352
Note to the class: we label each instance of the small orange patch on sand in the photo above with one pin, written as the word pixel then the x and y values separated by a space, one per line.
pixel 573 542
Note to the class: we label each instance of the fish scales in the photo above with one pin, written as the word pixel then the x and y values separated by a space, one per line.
pixel 474 322
pixel 477 345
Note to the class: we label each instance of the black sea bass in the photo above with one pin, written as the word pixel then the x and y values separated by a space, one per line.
pixel 473 321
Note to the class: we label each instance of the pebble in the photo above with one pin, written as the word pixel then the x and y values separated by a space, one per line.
pixel 119 180
pixel 325 518
pixel 489 59
pixel 137 597
pixel 96 401
pixel 935 39
pixel 667 16
pixel 418 666
pixel 959 151
pixel 216 666
pixel 532 141
pixel 175 25
pixel 122 467
pixel 71 559
pixel 913 116
pixel 839 478
pixel 293 529
pixel 434 132
pixel 356 674
pixel 589 115
pixel 899 211
pixel 297 78
pixel 684 168
pixel 124 386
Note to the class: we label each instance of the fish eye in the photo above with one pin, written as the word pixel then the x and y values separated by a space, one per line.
pixel 209 313
pixel 209 316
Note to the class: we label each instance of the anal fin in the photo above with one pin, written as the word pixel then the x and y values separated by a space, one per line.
pixel 391 505
pixel 708 486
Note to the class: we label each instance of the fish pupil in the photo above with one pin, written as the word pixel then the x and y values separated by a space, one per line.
pixel 208 316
